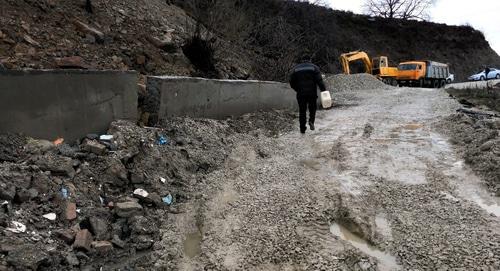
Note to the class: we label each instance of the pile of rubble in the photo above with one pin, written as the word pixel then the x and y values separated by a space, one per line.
pixel 102 201
pixel 361 81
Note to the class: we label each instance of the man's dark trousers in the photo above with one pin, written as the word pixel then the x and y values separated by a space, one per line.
pixel 304 104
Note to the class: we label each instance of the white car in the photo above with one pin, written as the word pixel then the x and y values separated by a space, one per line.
pixel 450 78
pixel 481 76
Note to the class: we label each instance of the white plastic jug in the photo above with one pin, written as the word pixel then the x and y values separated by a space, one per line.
pixel 326 99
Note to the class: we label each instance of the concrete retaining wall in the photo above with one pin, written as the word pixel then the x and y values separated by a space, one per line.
pixel 65 103
pixel 473 85
pixel 198 97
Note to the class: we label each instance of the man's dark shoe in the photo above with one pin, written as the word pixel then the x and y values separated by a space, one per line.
pixel 311 125
pixel 303 130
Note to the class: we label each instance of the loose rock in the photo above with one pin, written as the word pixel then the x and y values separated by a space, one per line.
pixel 83 240
pixel 128 209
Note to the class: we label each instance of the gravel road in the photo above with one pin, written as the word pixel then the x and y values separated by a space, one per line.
pixel 376 187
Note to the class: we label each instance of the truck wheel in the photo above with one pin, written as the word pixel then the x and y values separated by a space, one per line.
pixel 435 83
pixel 448 81
pixel 442 84
pixel 421 83
pixel 394 82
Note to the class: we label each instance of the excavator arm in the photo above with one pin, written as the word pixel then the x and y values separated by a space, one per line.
pixel 347 58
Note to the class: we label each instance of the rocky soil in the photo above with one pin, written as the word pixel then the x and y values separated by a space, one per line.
pixel 108 202
pixel 149 36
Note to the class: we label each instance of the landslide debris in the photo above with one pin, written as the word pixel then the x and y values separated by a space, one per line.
pixel 109 197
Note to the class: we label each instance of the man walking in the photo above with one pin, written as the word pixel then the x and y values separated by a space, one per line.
pixel 305 79
pixel 486 71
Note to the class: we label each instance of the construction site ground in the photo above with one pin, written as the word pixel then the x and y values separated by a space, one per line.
pixel 386 182
pixel 376 187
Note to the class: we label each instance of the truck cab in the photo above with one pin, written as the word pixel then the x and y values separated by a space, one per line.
pixel 411 71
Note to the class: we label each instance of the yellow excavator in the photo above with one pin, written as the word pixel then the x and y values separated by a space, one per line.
pixel 378 66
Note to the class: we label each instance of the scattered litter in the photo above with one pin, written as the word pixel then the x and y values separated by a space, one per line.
pixel 50 216
pixel 64 192
pixel 78 210
pixel 5 203
pixel 58 141
pixel 163 180
pixel 18 227
pixel 102 200
pixel 167 199
pixel 106 137
pixel 141 193
pixel 163 140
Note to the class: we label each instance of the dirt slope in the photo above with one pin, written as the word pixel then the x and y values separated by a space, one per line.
pixel 248 39
pixel 328 33
pixel 146 35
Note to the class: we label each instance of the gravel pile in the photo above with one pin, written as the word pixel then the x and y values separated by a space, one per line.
pixel 342 82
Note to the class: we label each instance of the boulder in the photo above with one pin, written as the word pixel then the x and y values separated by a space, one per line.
pixel 68 235
pixel 57 165
pixel 89 30
pixel 83 240
pixel 69 211
pixel 99 228
pixel 102 247
pixel 94 146
pixel 27 258
pixel 128 209
pixel 7 192
pixel 71 62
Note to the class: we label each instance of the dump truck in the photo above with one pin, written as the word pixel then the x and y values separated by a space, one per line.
pixel 423 74
pixel 378 66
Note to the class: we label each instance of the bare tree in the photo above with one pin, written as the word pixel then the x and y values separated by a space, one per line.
pixel 402 9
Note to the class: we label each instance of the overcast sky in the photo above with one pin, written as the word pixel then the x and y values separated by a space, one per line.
pixel 481 14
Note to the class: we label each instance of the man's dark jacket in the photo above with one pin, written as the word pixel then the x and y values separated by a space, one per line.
pixel 305 79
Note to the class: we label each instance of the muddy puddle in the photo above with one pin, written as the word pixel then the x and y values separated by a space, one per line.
pixel 311 164
pixel 473 189
pixel 490 207
pixel 386 262
pixel 192 244
pixel 382 224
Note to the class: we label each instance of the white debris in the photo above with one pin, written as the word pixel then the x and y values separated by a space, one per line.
pixel 50 216
pixel 106 137
pixel 141 193
pixel 163 180
pixel 18 227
